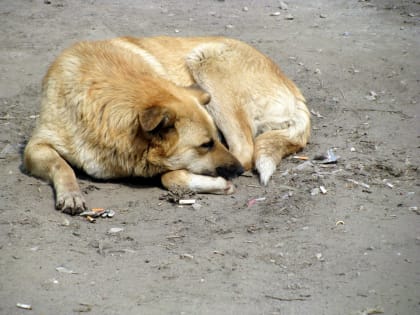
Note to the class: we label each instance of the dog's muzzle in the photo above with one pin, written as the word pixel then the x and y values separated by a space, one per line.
pixel 230 171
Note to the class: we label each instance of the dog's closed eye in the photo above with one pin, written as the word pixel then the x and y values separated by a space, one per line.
pixel 207 145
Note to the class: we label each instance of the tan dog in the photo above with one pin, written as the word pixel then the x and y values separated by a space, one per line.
pixel 122 108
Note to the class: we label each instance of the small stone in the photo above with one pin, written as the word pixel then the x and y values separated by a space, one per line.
pixel 372 96
pixel 64 270
pixel 186 256
pixel 283 5
pixel 390 185
pixel 304 166
pixel 245 9
pixel 275 13
pixel 415 209
pixel 115 230
pixel 9 150
pixel 322 16
pixel 315 191
pixel 289 17
pixel 65 222
pixel 196 206
pixel 229 26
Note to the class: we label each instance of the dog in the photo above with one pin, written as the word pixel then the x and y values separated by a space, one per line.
pixel 131 107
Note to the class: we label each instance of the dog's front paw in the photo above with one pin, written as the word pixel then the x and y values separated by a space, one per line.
pixel 230 188
pixel 70 202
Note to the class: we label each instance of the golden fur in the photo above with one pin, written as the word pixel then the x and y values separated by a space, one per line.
pixel 123 107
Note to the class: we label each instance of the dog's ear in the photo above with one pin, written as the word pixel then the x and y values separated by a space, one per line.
pixel 156 118
pixel 201 95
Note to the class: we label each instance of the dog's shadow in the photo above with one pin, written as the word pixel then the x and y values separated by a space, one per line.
pixel 132 182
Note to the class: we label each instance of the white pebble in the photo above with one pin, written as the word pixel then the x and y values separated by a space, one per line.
pixel 115 230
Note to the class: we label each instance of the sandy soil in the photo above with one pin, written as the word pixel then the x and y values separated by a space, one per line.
pixel 352 250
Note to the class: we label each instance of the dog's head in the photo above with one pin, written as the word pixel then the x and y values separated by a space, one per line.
pixel 182 135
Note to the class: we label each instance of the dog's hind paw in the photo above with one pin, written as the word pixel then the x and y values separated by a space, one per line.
pixel 265 167
pixel 70 202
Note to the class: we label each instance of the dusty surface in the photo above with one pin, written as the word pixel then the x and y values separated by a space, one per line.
pixel 357 62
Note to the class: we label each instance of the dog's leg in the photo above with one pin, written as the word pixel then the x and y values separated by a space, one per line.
pixel 270 148
pixel 198 183
pixel 42 160
pixel 236 131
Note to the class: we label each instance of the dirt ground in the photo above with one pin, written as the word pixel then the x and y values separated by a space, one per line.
pixel 294 250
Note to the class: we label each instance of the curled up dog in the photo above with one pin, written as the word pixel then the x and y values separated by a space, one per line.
pixel 124 108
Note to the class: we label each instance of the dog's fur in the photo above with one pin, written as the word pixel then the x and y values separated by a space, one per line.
pixel 123 108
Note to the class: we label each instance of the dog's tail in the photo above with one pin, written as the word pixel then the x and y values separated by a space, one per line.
pixel 271 146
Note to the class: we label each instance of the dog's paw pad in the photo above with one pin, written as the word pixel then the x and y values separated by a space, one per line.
pixel 71 202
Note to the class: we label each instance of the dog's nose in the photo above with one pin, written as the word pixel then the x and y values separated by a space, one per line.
pixel 230 171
